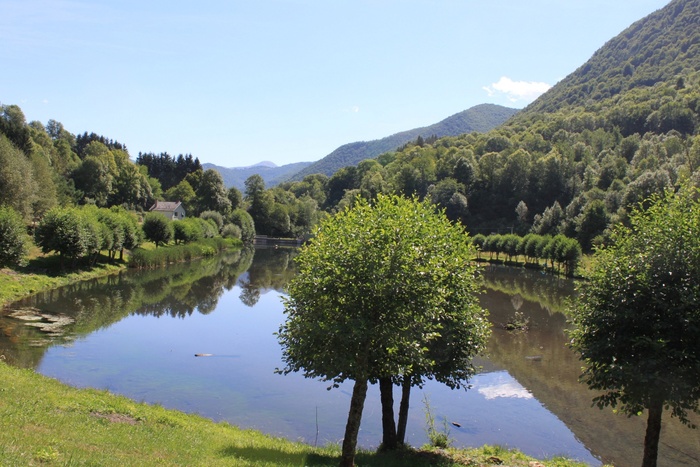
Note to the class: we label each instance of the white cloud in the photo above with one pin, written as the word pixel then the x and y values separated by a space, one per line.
pixel 505 389
pixel 517 91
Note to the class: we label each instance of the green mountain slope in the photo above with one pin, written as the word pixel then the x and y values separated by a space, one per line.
pixel 655 49
pixel 479 118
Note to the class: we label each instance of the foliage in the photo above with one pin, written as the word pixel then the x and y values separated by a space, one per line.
pixel 214 216
pixel 187 230
pixel 72 232
pixel 245 222
pixel 168 170
pixel 231 231
pixel 141 258
pixel 384 290
pixel 157 228
pixel 14 240
pixel 638 327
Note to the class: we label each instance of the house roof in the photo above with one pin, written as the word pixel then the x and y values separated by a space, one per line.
pixel 165 206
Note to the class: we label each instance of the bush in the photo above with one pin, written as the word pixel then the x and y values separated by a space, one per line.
pixel 157 228
pixel 231 231
pixel 214 216
pixel 187 230
pixel 13 237
pixel 242 219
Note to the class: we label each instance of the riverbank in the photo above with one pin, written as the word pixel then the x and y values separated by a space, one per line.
pixel 24 281
pixel 49 423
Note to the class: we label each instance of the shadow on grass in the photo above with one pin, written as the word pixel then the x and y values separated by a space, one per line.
pixel 406 457
pixel 55 266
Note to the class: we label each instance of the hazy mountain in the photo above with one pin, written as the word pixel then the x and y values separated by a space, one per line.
pixel 481 118
pixel 271 173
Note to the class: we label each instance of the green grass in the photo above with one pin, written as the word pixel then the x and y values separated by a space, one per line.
pixel 45 273
pixel 44 422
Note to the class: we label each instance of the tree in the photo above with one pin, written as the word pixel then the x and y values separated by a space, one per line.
pixel 157 228
pixel 637 320
pixel 17 184
pixel 212 194
pixel 381 291
pixel 242 219
pixel 13 237
pixel 71 232
pixel 182 192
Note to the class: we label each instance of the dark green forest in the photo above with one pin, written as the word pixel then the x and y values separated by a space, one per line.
pixel 620 128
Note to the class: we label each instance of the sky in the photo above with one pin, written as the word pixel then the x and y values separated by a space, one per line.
pixel 237 82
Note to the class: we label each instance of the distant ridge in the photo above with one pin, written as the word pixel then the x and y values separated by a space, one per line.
pixel 270 173
pixel 480 118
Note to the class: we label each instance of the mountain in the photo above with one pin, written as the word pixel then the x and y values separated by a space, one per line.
pixel 271 173
pixel 480 118
pixel 655 49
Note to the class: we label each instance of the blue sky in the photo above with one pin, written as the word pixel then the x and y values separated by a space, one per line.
pixel 237 82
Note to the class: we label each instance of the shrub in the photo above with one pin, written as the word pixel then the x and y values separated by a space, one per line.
pixel 231 231
pixel 157 228
pixel 13 237
pixel 242 219
pixel 214 216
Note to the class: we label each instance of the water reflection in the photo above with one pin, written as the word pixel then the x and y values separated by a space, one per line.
pixel 137 334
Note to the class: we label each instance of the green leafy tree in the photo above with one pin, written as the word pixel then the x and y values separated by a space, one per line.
pixel 212 194
pixel 637 321
pixel 13 237
pixel 242 219
pixel 157 228
pixel 215 217
pixel 182 192
pixel 71 232
pixel 17 185
pixel 187 230
pixel 378 293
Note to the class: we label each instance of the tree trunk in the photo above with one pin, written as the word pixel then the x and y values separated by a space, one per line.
pixel 403 409
pixel 386 390
pixel 357 403
pixel 651 440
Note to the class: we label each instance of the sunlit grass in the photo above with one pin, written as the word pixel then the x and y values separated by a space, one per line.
pixel 44 422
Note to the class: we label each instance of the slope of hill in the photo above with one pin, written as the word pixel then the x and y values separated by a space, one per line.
pixel 481 118
pixel 655 49
pixel 271 174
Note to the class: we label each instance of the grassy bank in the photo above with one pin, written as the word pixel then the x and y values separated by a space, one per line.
pixel 44 422
pixel 45 272
pixel 42 274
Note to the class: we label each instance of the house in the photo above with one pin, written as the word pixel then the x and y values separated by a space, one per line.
pixel 170 209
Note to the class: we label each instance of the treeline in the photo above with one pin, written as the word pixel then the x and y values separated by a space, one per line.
pixel 560 251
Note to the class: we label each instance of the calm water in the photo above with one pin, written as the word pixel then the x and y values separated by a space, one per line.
pixel 137 334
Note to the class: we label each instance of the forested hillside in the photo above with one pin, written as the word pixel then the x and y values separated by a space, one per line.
pixel 479 118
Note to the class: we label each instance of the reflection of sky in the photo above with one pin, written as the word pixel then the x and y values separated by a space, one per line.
pixel 504 388
pixel 152 359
